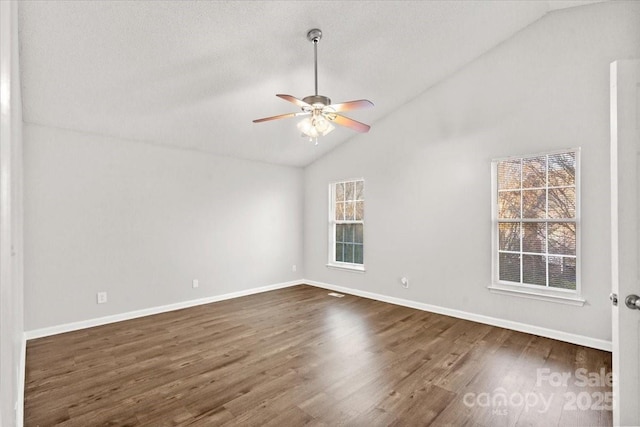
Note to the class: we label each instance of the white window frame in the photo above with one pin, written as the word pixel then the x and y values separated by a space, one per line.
pixel 545 293
pixel 332 263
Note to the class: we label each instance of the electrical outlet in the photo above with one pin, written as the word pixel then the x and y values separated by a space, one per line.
pixel 102 297
pixel 405 282
pixel 195 283
pixel 294 268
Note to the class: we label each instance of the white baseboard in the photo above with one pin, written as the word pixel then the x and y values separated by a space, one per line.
pixel 493 321
pixel 69 327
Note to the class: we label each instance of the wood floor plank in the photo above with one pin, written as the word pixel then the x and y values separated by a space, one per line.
pixel 296 356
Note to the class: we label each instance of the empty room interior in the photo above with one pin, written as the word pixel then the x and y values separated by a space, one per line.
pixel 320 213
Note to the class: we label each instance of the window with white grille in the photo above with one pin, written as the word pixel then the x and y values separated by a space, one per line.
pixel 346 224
pixel 536 221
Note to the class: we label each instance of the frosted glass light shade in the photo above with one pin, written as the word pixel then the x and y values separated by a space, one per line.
pixel 315 126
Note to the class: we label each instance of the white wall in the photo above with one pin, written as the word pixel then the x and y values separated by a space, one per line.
pixel 427 170
pixel 141 221
pixel 11 285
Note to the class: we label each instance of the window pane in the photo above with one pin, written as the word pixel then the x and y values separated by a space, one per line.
pixel 509 236
pixel 339 211
pixel 358 256
pixel 562 169
pixel 359 228
pixel 349 233
pixel 534 172
pixel 340 191
pixel 348 253
pixel 508 174
pixel 509 204
pixel 339 252
pixel 562 238
pixel 340 232
pixel 350 211
pixel 359 211
pixel 349 190
pixel 562 203
pixel 534 239
pixel 534 270
pixel 562 272
pixel 359 190
pixel 509 267
pixel 533 204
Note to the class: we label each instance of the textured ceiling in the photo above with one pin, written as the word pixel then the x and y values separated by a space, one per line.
pixel 194 75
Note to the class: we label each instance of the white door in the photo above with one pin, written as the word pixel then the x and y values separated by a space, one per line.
pixel 625 239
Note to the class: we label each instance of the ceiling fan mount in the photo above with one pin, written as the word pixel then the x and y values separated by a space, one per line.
pixel 321 113
pixel 314 35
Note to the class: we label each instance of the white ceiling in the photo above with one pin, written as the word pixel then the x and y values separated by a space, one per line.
pixel 194 75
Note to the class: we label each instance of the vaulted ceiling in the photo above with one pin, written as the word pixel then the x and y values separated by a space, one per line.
pixel 193 75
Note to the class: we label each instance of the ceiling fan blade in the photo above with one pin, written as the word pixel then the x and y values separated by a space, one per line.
pixel 281 116
pixel 350 123
pixel 351 105
pixel 299 102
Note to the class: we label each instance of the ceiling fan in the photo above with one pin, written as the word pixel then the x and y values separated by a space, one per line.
pixel 318 108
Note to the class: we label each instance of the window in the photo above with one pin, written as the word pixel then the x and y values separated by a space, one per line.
pixel 346 224
pixel 535 221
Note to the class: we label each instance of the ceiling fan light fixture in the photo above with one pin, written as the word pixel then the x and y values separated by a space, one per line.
pixel 315 126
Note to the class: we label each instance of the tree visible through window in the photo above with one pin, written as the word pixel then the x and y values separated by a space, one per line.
pixel 347 222
pixel 536 220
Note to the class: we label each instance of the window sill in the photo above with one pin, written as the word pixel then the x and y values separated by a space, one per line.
pixel 546 295
pixel 348 267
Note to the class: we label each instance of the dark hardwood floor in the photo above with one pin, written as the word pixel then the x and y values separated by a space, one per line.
pixel 297 356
